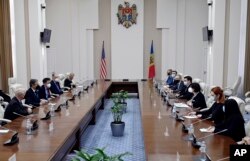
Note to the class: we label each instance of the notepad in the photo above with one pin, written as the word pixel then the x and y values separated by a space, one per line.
pixel 181 105
pixel 191 117
pixel 204 130
pixel 4 131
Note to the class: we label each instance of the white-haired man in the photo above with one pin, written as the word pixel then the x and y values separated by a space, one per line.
pixel 16 106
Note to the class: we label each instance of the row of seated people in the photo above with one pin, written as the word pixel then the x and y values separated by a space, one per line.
pixel 225 114
pixel 36 95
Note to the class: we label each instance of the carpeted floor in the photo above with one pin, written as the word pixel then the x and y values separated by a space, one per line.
pixel 99 135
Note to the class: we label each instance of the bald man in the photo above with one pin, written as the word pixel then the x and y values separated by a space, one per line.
pixel 16 105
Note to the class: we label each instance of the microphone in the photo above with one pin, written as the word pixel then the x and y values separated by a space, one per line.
pixel 48 116
pixel 204 157
pixel 179 118
pixel 223 158
pixel 58 108
pixel 185 128
pixel 92 83
pixel 14 138
pixel 34 124
pixel 197 144
pixel 5 120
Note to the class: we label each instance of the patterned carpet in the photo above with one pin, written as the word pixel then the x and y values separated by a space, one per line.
pixel 100 135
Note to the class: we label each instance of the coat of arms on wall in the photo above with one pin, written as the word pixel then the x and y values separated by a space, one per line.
pixel 127 16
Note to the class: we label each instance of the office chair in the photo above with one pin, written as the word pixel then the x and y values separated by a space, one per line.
pixel 241 103
pixel 232 91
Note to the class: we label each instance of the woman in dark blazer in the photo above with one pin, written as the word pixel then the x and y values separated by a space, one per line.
pixel 234 122
pixel 198 101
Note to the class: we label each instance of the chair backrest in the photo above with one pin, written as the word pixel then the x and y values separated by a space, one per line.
pixel 13 85
pixel 204 89
pixel 209 101
pixel 247 128
pixel 236 86
pixel 240 102
pixel 197 80
pixel 1 111
pixel 11 80
pixel 61 79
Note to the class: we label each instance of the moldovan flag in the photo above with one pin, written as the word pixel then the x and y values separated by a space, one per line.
pixel 151 70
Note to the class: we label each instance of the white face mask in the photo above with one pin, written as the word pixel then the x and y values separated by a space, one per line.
pixel 173 75
pixel 223 108
pixel 190 90
pixel 57 79
pixel 48 85
pixel 185 83
pixel 213 98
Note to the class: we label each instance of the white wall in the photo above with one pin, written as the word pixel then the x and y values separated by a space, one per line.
pixel 72 23
pixel 127 44
pixel 37 50
pixel 181 22
pixel 20 62
pixel 29 56
pixel 223 64
pixel 234 41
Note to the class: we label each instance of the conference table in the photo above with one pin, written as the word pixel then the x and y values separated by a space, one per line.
pixel 59 135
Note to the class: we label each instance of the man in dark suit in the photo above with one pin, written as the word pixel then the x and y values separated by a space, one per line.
pixel 68 81
pixel 32 94
pixel 55 86
pixel 185 94
pixel 6 98
pixel 44 91
pixel 16 106
pixel 179 85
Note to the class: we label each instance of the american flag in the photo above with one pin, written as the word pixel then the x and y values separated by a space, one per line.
pixel 103 70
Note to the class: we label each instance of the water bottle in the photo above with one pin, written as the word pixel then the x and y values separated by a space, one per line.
pixel 52 110
pixel 203 156
pixel 174 111
pixel 191 129
pixel 28 126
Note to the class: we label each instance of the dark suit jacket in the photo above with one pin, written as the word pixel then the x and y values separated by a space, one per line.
pixel 6 98
pixel 185 94
pixel 67 83
pixel 199 101
pixel 55 87
pixel 15 106
pixel 216 112
pixel 32 98
pixel 42 93
pixel 235 128
pixel 179 87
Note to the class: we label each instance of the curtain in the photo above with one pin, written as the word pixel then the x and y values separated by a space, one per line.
pixel 5 44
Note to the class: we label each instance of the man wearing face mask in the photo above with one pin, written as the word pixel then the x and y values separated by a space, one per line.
pixel 174 73
pixel 55 85
pixel 44 92
pixel 32 94
pixel 216 111
pixel 178 85
pixel 16 105
pixel 170 79
pixel 185 94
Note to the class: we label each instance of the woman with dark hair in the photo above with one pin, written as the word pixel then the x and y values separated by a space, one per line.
pixel 198 101
pixel 216 110
pixel 234 122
